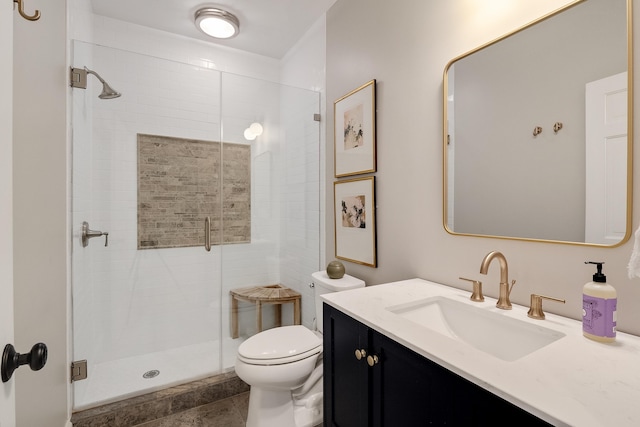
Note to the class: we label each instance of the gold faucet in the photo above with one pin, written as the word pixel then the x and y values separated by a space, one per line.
pixel 505 289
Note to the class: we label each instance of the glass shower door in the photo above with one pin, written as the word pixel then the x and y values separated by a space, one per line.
pixel 152 308
pixel 146 302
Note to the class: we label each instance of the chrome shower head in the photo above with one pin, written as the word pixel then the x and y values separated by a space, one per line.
pixel 79 79
pixel 108 92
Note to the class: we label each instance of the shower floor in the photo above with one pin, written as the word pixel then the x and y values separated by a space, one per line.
pixel 123 378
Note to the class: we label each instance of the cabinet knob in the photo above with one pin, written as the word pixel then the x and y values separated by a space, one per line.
pixel 360 353
pixel 372 360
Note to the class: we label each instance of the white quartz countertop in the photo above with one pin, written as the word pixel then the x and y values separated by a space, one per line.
pixel 573 381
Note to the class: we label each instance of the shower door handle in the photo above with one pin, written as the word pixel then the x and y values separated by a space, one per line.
pixel 207 234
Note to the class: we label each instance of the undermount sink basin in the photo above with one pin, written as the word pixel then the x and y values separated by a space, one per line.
pixel 493 333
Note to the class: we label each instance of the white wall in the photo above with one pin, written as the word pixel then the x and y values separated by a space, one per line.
pixel 41 244
pixel 408 63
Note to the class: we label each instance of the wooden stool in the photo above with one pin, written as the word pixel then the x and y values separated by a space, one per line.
pixel 269 294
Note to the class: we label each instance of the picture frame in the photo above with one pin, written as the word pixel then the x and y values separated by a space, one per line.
pixel 355 221
pixel 354 121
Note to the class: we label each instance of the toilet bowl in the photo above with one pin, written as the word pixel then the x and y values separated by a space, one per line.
pixel 283 366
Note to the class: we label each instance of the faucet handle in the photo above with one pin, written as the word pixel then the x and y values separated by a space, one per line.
pixel 535 311
pixel 476 294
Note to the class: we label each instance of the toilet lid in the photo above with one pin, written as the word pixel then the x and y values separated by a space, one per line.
pixel 285 344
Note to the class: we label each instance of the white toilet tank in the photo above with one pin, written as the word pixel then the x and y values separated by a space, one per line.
pixel 323 284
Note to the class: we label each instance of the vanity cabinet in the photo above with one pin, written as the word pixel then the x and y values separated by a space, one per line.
pixel 371 380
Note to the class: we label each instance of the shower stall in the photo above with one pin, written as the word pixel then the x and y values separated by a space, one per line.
pixel 151 305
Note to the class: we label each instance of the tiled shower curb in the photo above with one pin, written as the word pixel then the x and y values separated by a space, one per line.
pixel 162 403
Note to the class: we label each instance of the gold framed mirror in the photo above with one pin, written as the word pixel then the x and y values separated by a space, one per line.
pixel 538 130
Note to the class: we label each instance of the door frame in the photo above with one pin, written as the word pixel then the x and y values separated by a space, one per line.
pixel 7 390
pixel 606 143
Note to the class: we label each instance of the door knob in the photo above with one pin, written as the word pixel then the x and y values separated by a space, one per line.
pixel 36 359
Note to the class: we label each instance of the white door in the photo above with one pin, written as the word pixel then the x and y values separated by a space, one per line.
pixel 606 160
pixel 7 399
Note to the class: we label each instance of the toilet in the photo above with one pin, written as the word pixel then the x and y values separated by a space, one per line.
pixel 283 366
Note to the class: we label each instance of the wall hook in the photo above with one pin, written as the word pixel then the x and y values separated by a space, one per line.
pixel 537 131
pixel 557 126
pixel 34 17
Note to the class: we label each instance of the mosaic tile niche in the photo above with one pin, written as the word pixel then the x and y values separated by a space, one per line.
pixel 181 182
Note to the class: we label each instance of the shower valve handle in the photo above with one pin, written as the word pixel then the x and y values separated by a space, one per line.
pixel 88 234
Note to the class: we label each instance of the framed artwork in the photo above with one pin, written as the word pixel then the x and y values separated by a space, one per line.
pixel 354 129
pixel 355 222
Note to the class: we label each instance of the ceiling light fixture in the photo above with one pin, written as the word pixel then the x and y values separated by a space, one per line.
pixel 217 23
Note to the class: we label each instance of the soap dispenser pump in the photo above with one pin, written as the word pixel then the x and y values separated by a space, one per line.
pixel 599 305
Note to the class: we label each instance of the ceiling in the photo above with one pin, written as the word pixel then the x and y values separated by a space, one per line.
pixel 267 27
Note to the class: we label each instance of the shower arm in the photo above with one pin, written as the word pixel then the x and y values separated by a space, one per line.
pixel 95 74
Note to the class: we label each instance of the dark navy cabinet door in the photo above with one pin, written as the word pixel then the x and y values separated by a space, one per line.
pixel 394 386
pixel 346 378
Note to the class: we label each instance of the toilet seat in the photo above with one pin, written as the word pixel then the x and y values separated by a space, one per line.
pixel 279 346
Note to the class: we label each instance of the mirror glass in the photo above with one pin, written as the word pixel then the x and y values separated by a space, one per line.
pixel 537 135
